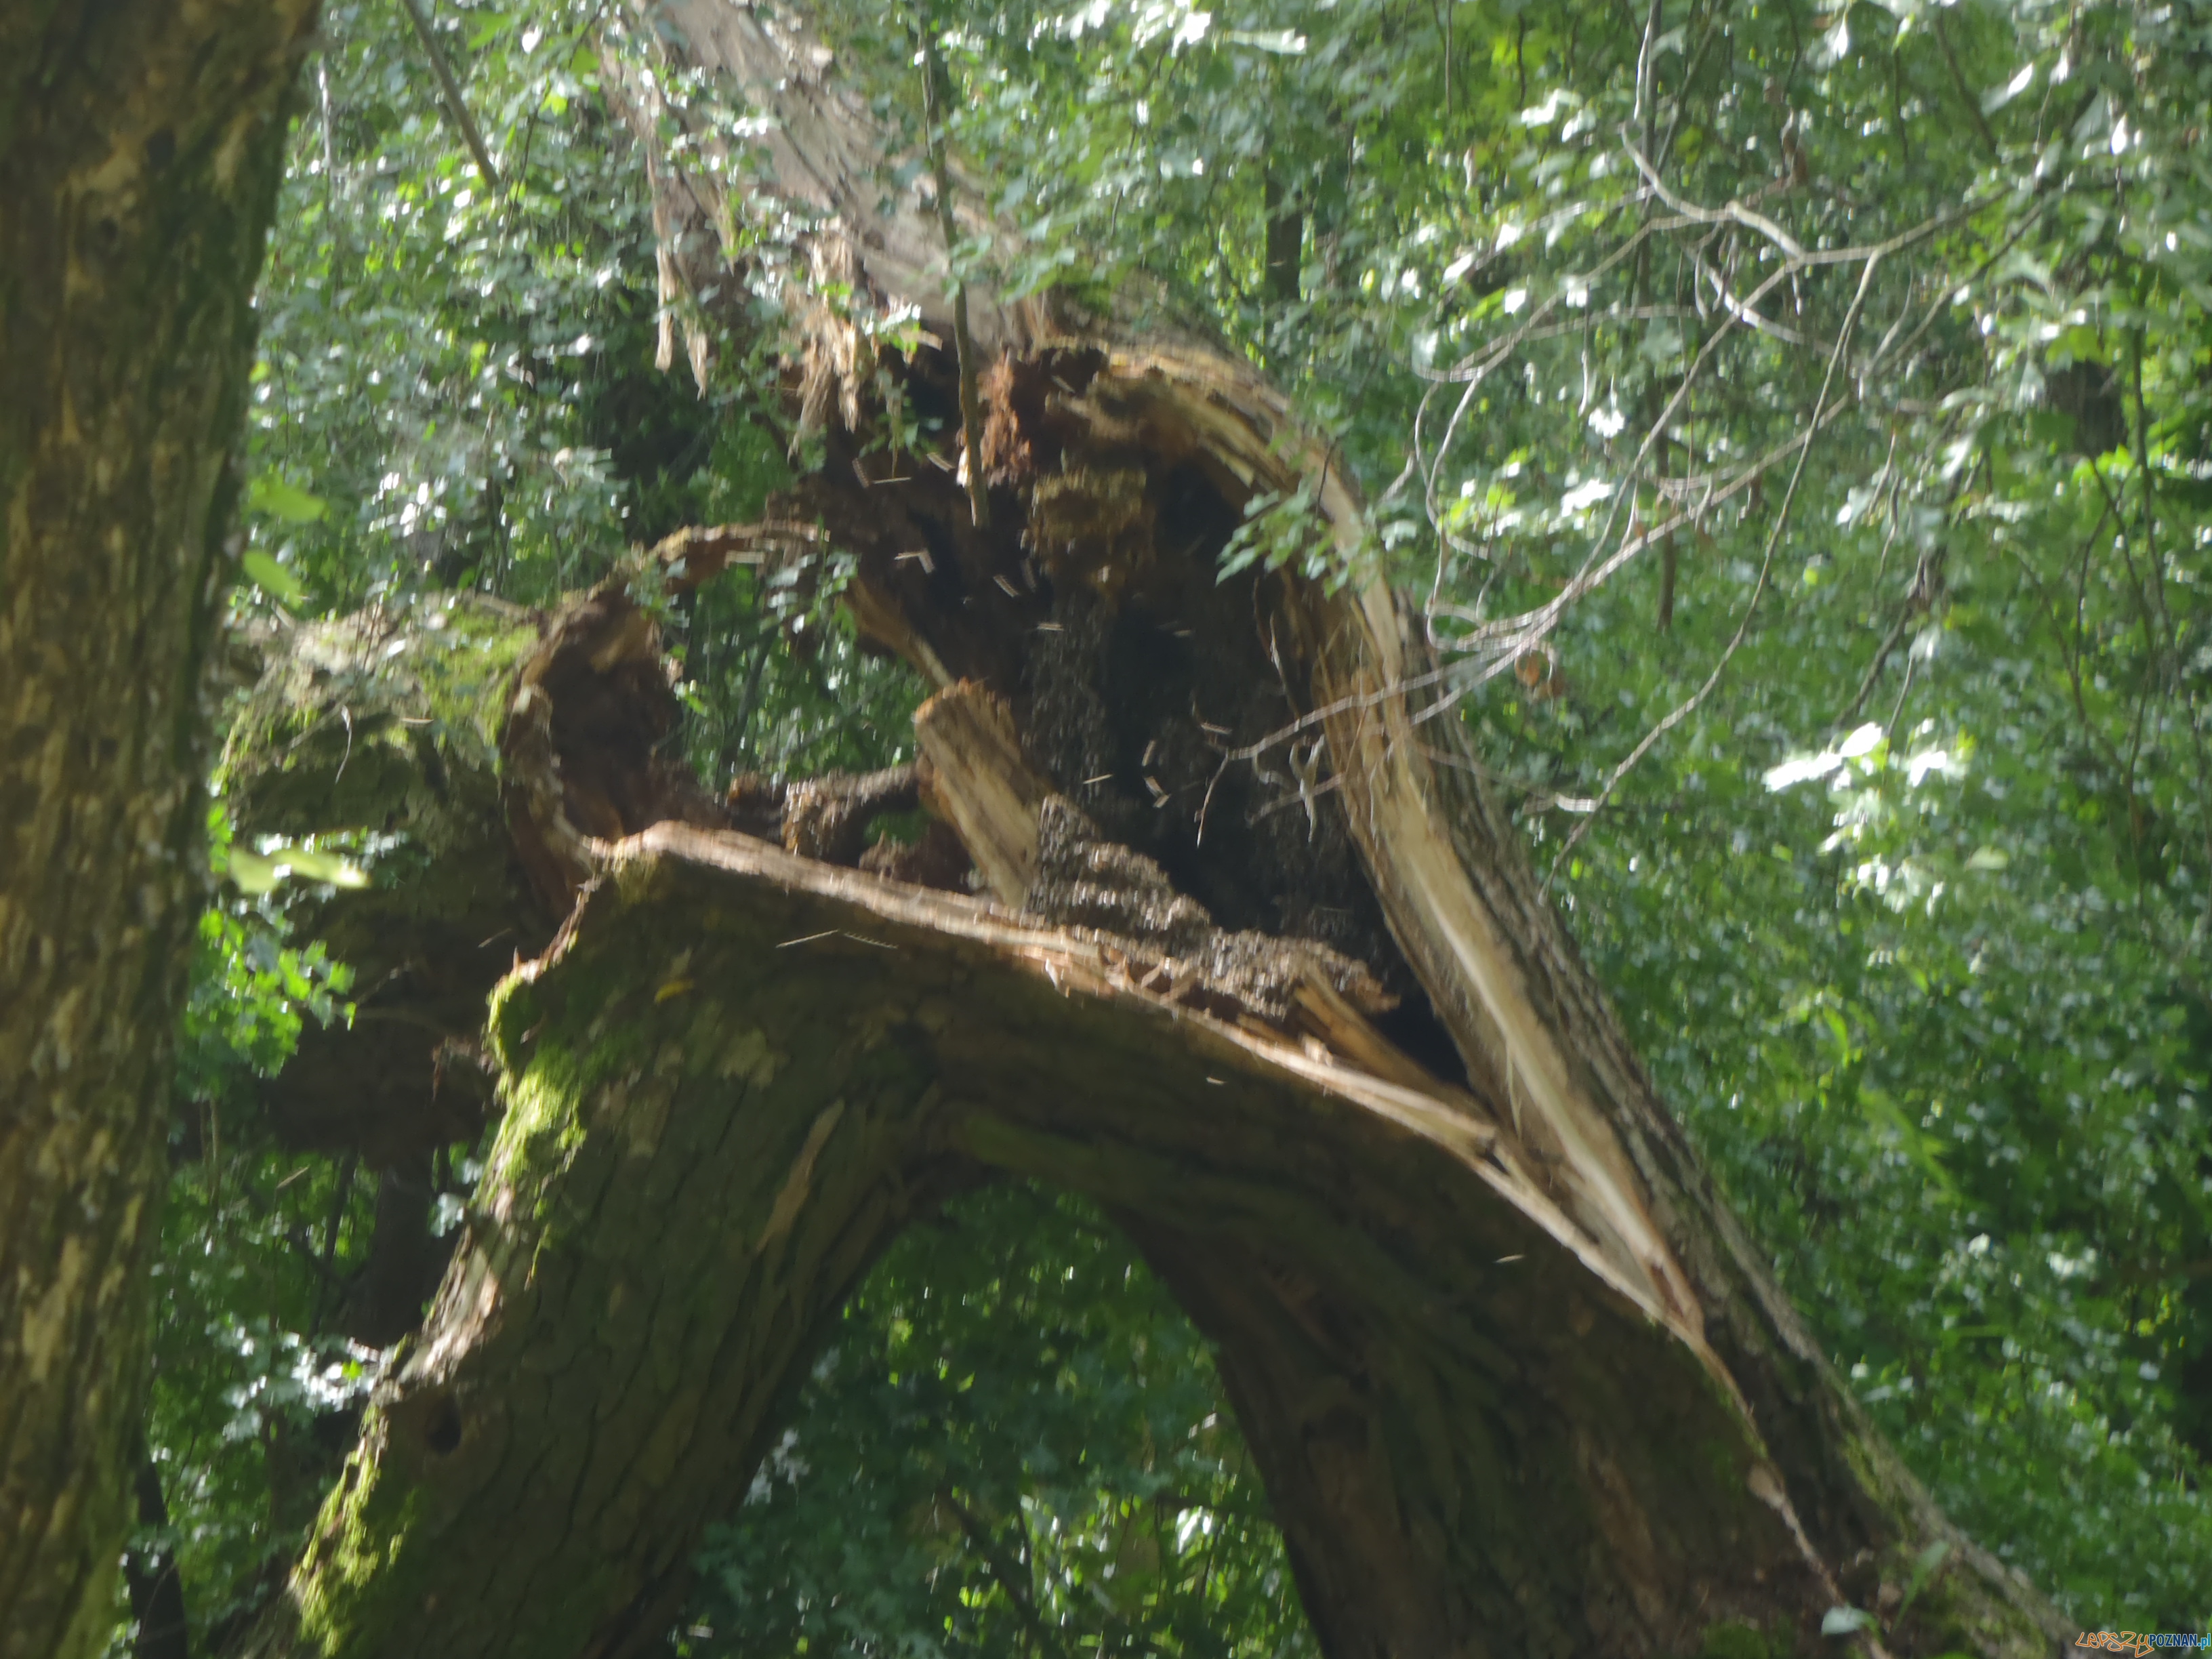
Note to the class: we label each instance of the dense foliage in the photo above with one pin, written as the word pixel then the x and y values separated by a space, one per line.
pixel 1014 1444
pixel 1798 420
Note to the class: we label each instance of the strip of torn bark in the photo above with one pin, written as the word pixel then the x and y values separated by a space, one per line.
pixel 971 407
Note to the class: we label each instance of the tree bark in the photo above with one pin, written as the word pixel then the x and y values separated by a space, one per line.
pixel 141 146
pixel 1262 977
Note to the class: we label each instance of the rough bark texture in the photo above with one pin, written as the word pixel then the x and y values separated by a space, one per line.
pixel 739 1072
pixel 1262 978
pixel 140 149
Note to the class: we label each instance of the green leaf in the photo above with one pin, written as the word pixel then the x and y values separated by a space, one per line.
pixel 269 494
pixel 1924 1567
pixel 273 579
pixel 251 873
pixel 257 873
pixel 1285 42
pixel 312 866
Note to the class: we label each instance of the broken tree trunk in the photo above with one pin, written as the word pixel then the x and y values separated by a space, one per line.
pixel 140 150
pixel 738 1071
pixel 1262 977
pixel 1274 743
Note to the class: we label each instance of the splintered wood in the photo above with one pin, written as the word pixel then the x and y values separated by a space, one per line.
pixel 1043 857
pixel 974 777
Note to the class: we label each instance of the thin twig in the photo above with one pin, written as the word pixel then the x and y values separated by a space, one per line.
pixel 1959 80
pixel 1506 640
pixel 1682 710
pixel 452 91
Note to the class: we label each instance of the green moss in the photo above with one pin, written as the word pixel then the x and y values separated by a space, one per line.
pixel 550 1070
pixel 514 1008
pixel 637 879
pixel 1732 1640
pixel 359 1571
pixel 377 719
pixel 541 1115
pixel 466 684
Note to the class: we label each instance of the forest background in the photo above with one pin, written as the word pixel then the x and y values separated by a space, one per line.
pixel 1870 769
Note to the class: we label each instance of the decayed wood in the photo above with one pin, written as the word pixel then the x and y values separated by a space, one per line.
pixel 582 745
pixel 1183 399
pixel 142 146
pixel 1344 1031
pixel 690 558
pixel 1044 858
pixel 1513 1380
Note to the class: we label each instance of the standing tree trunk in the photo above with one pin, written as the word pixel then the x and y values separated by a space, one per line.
pixel 141 146
pixel 1256 973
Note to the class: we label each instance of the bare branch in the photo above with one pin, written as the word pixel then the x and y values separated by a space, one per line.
pixel 1683 709
pixel 450 93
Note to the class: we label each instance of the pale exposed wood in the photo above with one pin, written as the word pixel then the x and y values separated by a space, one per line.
pixel 1540 1047
pixel 878 618
pixel 1479 1433
pixel 1458 945
pixel 1196 400
pixel 1344 1031
pixel 974 778
pixel 695 556
pixel 1078 960
pixel 827 152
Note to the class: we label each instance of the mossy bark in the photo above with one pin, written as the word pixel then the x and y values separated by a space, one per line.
pixel 385 727
pixel 1274 743
pixel 140 148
